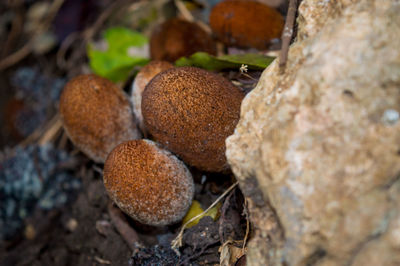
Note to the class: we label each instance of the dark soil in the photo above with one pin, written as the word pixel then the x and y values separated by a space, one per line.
pixel 56 244
pixel 84 233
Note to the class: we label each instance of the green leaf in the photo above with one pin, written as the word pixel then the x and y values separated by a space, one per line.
pixel 209 62
pixel 120 39
pixel 115 63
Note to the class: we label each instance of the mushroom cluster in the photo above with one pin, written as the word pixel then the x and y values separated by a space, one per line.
pixel 188 113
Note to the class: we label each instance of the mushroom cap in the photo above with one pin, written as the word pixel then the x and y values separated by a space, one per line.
pixel 192 111
pixel 96 115
pixel 142 78
pixel 246 23
pixel 148 183
pixel 176 38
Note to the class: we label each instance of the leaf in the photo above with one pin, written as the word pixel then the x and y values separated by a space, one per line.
pixel 120 39
pixel 230 253
pixel 195 209
pixel 210 62
pixel 115 63
pixel 254 61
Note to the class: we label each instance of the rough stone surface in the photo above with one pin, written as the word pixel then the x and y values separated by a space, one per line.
pixel 317 149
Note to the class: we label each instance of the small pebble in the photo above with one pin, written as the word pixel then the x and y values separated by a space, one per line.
pixel 72 224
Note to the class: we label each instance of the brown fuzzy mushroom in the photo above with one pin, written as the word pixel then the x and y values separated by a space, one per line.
pixel 142 78
pixel 148 183
pixel 96 115
pixel 191 111
pixel 176 38
pixel 246 23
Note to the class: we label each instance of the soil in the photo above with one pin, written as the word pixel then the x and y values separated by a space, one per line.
pixel 57 243
pixel 84 233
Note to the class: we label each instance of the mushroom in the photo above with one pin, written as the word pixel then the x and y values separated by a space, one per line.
pixel 176 38
pixel 148 183
pixel 140 82
pixel 246 23
pixel 96 115
pixel 191 111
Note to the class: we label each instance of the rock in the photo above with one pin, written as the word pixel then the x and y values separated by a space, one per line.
pixel 317 149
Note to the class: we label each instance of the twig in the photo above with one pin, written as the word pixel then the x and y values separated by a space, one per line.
pixel 184 11
pixel 186 14
pixel 102 261
pixel 121 224
pixel 85 37
pixel 17 56
pixel 16 27
pixel 40 131
pixel 246 212
pixel 90 32
pixel 63 141
pixel 287 34
pixel 177 242
pixel 68 41
pixel 222 218
pixel 28 47
pixel 53 130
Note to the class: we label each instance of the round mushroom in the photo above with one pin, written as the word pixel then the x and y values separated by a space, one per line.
pixel 176 38
pixel 246 23
pixel 141 80
pixel 192 111
pixel 96 115
pixel 148 183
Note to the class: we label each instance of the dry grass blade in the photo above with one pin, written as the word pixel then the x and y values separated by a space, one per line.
pixel 177 242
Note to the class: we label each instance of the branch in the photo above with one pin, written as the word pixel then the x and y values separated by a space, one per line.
pixel 287 34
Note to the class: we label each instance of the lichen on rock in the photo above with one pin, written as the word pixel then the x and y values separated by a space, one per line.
pixel 316 145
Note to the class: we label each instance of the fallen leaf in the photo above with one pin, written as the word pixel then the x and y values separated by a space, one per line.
pixel 210 62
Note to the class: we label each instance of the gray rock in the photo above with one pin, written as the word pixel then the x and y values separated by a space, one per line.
pixel 317 149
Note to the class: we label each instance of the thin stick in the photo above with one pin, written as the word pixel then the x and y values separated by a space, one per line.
pixel 184 11
pixel 52 131
pixel 85 37
pixel 222 218
pixel 245 210
pixel 287 34
pixel 16 27
pixel 121 224
pixel 186 14
pixel 177 242
pixel 28 47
